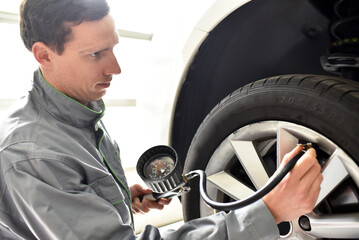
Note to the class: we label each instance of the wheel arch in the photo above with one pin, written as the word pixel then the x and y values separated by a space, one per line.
pixel 259 39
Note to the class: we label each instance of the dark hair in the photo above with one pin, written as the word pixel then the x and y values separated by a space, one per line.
pixel 47 20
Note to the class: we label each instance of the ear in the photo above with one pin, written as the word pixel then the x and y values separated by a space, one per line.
pixel 42 53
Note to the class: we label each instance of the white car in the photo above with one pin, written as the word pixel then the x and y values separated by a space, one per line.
pixel 254 79
pixel 259 77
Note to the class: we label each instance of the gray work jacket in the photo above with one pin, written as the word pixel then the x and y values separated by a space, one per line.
pixel 61 178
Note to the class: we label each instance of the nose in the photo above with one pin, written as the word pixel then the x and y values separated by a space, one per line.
pixel 113 68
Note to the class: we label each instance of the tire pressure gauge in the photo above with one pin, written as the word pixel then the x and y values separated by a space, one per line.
pixel 159 167
pixel 161 171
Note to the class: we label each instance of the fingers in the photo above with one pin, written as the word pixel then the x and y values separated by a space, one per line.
pixel 309 172
pixel 297 193
pixel 143 207
pixel 302 165
pixel 313 180
pixel 156 204
pixel 138 207
pixel 137 190
pixel 287 157
pixel 306 163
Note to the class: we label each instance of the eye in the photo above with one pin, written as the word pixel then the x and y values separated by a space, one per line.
pixel 95 54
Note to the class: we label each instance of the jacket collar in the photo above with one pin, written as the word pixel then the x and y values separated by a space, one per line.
pixel 64 108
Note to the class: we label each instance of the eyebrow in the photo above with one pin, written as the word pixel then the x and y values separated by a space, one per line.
pixel 90 50
pixel 93 50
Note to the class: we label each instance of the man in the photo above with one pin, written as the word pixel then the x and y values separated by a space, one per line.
pixel 60 173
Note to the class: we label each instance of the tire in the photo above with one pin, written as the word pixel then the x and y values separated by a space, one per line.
pixel 310 108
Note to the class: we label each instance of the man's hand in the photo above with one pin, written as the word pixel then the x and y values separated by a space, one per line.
pixel 297 193
pixel 144 206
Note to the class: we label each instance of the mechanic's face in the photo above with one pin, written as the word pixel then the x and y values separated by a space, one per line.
pixel 84 70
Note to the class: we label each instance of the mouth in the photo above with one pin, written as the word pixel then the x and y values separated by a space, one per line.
pixel 104 85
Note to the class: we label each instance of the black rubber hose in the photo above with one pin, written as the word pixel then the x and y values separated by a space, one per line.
pixel 246 201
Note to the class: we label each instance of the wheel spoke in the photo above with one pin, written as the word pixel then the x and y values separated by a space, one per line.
pixel 229 185
pixel 251 162
pixel 341 226
pixel 255 143
pixel 285 143
pixel 265 146
pixel 334 173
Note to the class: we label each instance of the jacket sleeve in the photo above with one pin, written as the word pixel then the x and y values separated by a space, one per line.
pixel 252 222
pixel 52 210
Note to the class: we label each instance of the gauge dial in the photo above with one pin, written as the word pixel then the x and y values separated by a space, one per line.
pixel 159 168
